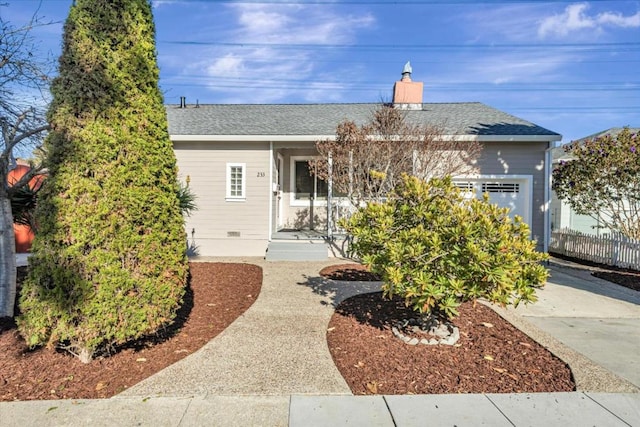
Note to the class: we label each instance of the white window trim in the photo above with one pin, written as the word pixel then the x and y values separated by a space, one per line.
pixel 229 197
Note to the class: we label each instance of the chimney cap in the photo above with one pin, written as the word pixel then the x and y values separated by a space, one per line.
pixel 406 72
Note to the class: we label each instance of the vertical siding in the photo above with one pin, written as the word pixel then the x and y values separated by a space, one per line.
pixel 220 227
pixel 520 158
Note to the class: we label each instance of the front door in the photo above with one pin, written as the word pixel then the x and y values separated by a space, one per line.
pixel 309 193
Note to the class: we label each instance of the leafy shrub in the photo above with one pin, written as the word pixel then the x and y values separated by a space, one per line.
pixel 601 179
pixel 109 260
pixel 436 249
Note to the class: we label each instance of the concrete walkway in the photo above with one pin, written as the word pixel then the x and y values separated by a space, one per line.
pixel 272 367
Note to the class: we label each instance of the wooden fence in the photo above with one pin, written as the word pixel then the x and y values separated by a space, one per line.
pixel 610 249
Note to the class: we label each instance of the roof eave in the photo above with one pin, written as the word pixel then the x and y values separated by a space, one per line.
pixel 250 138
pixel 509 138
pixel 313 138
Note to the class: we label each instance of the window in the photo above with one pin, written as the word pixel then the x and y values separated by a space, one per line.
pixel 464 186
pixel 236 180
pixel 500 187
pixel 307 185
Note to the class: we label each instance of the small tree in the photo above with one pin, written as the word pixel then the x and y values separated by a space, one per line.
pixel 437 249
pixel 603 180
pixel 108 263
pixel 23 80
pixel 368 161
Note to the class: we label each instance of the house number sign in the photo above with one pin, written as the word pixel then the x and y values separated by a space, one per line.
pixel 260 175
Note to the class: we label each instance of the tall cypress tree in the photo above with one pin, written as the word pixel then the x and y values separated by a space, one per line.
pixel 108 262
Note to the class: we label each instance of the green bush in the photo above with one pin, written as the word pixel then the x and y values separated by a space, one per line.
pixel 108 263
pixel 436 249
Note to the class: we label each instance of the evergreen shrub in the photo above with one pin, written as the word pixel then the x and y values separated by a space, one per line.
pixel 436 248
pixel 109 259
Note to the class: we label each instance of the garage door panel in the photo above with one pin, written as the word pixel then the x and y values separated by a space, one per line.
pixel 508 193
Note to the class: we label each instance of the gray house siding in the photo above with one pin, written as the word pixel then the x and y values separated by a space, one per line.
pixel 522 159
pixel 209 137
pixel 221 227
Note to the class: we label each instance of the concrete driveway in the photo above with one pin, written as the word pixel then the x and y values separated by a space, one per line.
pixel 599 319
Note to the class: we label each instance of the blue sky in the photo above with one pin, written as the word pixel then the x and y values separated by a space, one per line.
pixel 572 67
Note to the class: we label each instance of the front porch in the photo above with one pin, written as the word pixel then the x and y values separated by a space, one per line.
pixel 306 245
pixel 304 215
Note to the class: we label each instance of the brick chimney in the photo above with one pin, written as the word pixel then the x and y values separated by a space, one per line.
pixel 407 95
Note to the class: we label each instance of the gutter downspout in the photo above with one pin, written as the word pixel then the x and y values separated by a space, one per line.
pixel 547 197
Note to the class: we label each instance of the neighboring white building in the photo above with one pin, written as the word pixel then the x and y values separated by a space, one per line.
pixel 562 215
pixel 248 164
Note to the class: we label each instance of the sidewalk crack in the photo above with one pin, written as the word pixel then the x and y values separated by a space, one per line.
pixel 499 410
pixel 393 420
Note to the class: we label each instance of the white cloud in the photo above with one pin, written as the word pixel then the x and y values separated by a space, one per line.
pixel 617 20
pixel 228 65
pixel 276 71
pixel 575 18
pixel 515 22
pixel 296 24
pixel 529 66
pixel 157 3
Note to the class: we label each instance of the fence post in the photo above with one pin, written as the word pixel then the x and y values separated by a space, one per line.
pixel 615 242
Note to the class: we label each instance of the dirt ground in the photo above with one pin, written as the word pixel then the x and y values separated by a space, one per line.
pixel 217 295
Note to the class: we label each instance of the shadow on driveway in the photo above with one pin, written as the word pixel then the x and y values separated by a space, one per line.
pixel 583 280
pixel 338 290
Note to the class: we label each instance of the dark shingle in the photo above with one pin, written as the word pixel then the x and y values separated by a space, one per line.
pixel 558 153
pixel 470 118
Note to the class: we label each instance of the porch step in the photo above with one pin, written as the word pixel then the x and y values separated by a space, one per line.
pixel 297 251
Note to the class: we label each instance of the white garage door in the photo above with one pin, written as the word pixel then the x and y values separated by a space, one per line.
pixel 511 193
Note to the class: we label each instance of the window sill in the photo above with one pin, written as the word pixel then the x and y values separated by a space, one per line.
pixel 235 199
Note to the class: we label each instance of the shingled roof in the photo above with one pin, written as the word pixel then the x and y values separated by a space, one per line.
pixel 559 154
pixel 468 118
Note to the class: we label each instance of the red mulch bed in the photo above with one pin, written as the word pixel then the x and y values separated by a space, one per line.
pixel 218 294
pixel 492 356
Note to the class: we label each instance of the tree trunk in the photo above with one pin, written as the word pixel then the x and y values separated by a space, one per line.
pixel 7 257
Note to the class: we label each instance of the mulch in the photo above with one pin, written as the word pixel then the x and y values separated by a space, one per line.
pixel 492 356
pixel 218 293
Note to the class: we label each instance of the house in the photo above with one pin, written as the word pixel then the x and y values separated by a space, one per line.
pixel 248 165
pixel 562 215
pixel 24 234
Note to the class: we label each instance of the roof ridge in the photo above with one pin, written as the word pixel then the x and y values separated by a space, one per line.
pixel 294 104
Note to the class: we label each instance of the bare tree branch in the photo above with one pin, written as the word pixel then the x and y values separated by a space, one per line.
pixel 369 161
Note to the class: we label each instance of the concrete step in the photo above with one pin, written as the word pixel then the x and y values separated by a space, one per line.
pixel 297 251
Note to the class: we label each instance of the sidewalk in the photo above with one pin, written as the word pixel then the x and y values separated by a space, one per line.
pixel 544 410
pixel 272 367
